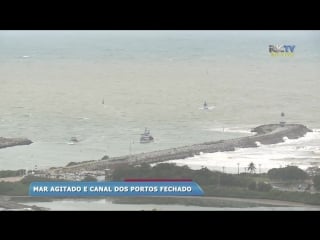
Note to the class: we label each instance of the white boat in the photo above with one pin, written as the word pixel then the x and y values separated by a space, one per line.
pixel 146 137
pixel 206 106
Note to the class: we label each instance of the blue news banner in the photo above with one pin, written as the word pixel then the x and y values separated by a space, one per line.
pixel 95 189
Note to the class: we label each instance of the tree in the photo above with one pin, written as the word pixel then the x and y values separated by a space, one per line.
pixel 251 167
pixel 252 186
pixel 264 187
pixel 316 182
pixel 287 173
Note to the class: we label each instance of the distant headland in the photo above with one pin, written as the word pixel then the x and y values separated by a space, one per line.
pixel 11 142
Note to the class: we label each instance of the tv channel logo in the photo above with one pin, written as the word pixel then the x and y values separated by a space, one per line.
pixel 282 50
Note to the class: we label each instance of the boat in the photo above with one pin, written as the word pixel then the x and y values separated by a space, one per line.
pixel 205 105
pixel 146 137
pixel 74 140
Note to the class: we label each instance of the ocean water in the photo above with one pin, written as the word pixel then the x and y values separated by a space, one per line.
pixel 53 85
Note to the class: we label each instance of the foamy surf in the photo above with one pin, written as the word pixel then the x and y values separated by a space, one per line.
pixel 232 130
pixel 302 152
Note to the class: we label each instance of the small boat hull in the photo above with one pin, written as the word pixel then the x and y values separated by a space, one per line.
pixel 146 141
pixel 146 137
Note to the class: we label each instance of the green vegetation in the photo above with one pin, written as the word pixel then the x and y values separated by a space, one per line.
pixel 264 187
pixel 225 185
pixel 202 176
pixel 213 183
pixel 316 182
pixel 287 173
pixel 14 188
pixel 252 168
pixel 21 188
pixel 12 173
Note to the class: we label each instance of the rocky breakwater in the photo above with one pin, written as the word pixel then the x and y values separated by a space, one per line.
pixel 10 142
pixel 265 134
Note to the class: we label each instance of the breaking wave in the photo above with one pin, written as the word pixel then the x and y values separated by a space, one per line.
pixel 303 152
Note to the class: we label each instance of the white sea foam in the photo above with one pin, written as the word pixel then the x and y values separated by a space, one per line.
pixel 302 152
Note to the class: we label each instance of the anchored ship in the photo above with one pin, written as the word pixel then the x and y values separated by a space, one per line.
pixel 146 137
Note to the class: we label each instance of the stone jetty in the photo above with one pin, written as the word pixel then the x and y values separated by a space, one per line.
pixel 265 134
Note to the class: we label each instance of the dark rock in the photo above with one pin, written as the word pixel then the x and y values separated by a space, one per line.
pixel 10 142
pixel 265 128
